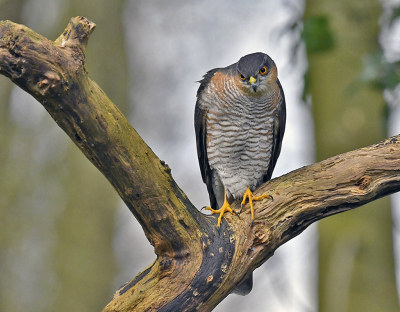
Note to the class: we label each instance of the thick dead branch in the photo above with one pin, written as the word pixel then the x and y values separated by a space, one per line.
pixel 197 264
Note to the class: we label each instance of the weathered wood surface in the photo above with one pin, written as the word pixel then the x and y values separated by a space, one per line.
pixel 197 264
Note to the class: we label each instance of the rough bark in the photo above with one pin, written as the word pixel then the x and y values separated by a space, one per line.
pixel 197 264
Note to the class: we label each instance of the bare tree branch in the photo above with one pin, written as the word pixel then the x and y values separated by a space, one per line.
pixel 197 264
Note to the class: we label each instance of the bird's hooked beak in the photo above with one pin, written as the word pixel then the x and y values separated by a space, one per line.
pixel 254 83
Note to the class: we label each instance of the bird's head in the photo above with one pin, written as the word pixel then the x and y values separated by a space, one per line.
pixel 257 72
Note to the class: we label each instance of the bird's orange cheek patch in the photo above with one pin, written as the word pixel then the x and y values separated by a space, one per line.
pixel 273 76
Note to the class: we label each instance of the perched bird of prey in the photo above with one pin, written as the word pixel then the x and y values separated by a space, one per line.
pixel 240 119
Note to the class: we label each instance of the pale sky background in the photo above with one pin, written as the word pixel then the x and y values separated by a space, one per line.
pixel 390 41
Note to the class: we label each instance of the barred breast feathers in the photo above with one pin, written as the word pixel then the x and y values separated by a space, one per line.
pixel 239 132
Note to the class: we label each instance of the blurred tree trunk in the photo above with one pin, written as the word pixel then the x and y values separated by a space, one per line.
pixel 82 262
pixel 12 10
pixel 356 265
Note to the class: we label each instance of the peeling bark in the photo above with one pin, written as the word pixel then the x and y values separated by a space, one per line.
pixel 197 264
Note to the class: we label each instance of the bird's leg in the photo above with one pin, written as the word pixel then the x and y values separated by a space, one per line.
pixel 225 207
pixel 248 194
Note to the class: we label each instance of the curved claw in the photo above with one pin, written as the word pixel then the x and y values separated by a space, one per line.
pixel 249 195
pixel 225 208
pixel 236 214
pixel 241 208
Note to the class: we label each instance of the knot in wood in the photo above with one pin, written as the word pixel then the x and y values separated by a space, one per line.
pixel 50 80
pixel 363 182
pixel 261 236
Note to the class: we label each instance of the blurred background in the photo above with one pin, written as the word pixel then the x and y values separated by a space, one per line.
pixel 67 242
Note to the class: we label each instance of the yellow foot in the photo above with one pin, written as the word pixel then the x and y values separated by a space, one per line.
pixel 225 207
pixel 248 194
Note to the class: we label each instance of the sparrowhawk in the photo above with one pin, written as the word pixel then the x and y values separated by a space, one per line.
pixel 240 120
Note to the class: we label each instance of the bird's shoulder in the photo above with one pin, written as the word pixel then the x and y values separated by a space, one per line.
pixel 215 74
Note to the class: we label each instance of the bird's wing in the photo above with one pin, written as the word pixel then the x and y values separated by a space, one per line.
pixel 279 130
pixel 201 137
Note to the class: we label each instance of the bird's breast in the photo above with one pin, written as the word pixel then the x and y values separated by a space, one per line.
pixel 239 137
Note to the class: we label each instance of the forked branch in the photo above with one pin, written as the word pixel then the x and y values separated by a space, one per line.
pixel 197 264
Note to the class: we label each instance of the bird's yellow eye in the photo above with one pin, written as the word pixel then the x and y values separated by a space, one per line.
pixel 242 77
pixel 263 70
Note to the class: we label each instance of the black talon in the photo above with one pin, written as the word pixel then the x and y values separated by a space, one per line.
pixel 241 208
pixel 203 208
pixel 271 197
pixel 236 214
